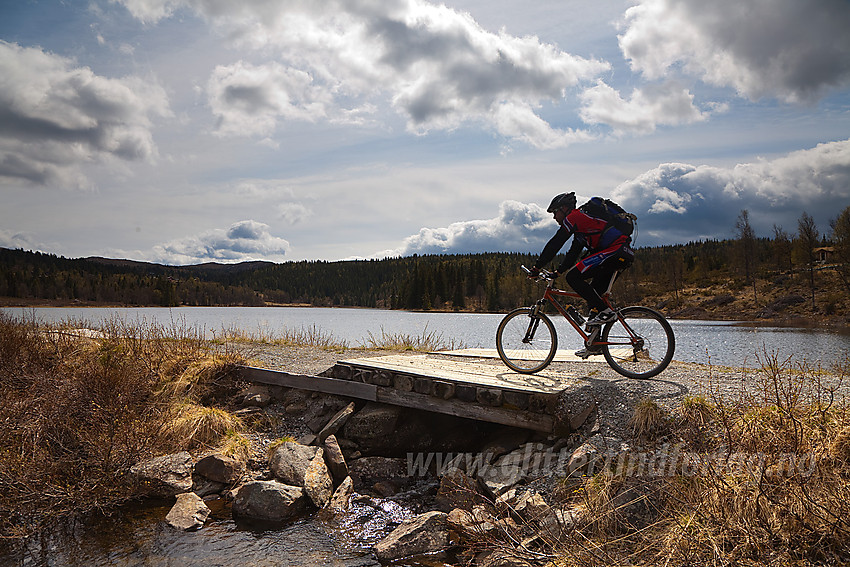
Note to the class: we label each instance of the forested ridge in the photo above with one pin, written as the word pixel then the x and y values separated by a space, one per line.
pixel 754 277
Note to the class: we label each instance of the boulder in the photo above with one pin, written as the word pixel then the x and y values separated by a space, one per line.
pixel 499 558
pixel 507 471
pixel 165 476
pixel 220 468
pixel 317 481
pixel 528 505
pixel 426 534
pixel 335 459
pixel 375 423
pixel 341 496
pixel 268 500
pixel 473 524
pixel 289 461
pixel 188 513
pixel 457 490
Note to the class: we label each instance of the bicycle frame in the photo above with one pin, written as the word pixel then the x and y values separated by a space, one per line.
pixel 643 337
pixel 551 295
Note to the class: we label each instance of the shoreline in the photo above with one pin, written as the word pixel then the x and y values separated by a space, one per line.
pixel 832 323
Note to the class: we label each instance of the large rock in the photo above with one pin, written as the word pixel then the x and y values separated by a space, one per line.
pixel 474 524
pixel 341 496
pixel 220 468
pixel 457 490
pixel 165 476
pixel 289 461
pixel 335 459
pixel 268 500
pixel 425 534
pixel 188 513
pixel 317 481
pixel 499 558
pixel 528 505
pixel 374 424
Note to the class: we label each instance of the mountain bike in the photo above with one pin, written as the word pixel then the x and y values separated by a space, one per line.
pixel 639 343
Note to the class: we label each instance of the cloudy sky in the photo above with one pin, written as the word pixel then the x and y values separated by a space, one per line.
pixel 187 131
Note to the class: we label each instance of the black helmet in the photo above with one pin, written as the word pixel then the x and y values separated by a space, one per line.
pixel 563 200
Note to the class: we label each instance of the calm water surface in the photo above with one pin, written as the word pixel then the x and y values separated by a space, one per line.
pixel 717 342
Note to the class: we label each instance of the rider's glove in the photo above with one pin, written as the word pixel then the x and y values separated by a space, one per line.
pixel 533 272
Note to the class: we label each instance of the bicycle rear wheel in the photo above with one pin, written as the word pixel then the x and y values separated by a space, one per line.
pixel 526 342
pixel 640 344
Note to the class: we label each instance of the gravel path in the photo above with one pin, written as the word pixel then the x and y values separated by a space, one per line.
pixel 616 396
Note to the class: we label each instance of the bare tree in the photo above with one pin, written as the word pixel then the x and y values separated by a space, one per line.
pixel 782 249
pixel 747 250
pixel 841 241
pixel 809 238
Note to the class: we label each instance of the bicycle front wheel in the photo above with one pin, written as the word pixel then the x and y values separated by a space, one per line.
pixel 526 340
pixel 639 344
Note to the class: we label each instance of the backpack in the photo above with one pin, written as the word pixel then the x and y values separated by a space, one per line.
pixel 612 213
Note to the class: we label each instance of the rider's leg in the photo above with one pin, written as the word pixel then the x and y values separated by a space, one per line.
pixel 578 281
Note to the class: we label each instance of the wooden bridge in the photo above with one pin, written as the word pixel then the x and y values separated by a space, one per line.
pixel 470 383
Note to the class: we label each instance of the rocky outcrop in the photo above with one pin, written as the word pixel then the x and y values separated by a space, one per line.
pixel 188 513
pixel 269 500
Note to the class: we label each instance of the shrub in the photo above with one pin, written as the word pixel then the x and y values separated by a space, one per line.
pixel 78 409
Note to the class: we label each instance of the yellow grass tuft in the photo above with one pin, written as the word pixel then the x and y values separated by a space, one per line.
pixel 649 419
pixel 197 425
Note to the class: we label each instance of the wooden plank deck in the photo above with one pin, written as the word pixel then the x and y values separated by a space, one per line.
pixel 480 390
pixel 546 381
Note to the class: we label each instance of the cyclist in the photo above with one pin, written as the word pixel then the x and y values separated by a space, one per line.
pixel 609 251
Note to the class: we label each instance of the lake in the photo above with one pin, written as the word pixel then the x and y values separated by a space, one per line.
pixel 720 343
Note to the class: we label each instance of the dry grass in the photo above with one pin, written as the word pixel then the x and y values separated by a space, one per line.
pixel 195 426
pixel 79 409
pixel 763 479
pixel 760 480
pixel 426 341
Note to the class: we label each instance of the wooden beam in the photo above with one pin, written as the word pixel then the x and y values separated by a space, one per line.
pixel 346 388
pixel 457 408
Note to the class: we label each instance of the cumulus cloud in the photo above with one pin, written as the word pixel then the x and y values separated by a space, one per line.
pixel 786 49
pixel 519 227
pixel 675 203
pixel 56 116
pixel 242 241
pixel 678 202
pixel 250 100
pixel 654 105
pixel 437 66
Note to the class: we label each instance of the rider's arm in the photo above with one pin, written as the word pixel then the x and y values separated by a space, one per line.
pixel 572 256
pixel 552 247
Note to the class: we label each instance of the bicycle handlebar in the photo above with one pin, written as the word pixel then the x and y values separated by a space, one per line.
pixel 541 275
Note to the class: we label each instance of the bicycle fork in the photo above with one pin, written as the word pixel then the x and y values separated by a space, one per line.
pixel 533 322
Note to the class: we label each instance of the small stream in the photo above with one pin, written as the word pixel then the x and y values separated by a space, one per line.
pixel 139 536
